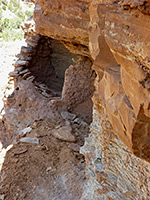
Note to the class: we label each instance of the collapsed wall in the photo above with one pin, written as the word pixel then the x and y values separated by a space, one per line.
pixel 46 116
pixel 72 41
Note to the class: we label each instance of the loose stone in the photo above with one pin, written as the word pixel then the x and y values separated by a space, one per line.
pixel 31 140
pixel 64 133
pixel 26 50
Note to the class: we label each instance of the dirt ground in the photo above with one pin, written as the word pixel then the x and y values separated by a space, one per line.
pixel 36 161
pixel 50 170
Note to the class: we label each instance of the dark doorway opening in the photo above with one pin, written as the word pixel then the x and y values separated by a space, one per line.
pixel 49 63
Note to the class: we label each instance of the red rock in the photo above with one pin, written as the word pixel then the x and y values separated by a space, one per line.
pixel 99 49
pixel 63 20
pixel 119 37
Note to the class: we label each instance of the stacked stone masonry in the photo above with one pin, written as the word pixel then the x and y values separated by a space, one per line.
pixel 111 39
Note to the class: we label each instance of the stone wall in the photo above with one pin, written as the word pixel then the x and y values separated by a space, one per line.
pixel 117 33
pixel 120 127
pixel 111 38
pixel 113 171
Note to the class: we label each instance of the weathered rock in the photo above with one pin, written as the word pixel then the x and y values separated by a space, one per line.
pixel 67 115
pixel 20 63
pixel 64 133
pixel 64 20
pixel 113 171
pixel 24 71
pixel 118 40
pixel 14 74
pixel 112 43
pixel 26 75
pixel 30 140
pixel 24 131
pixel 32 42
pixel 78 84
pixel 30 78
pixel 26 50
pixel 46 94
pixel 20 68
pixel 49 169
pixel 23 57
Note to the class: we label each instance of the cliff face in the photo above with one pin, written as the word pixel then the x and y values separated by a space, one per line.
pixel 117 34
pixel 66 21
pixel 83 49
pixel 118 43
pixel 124 89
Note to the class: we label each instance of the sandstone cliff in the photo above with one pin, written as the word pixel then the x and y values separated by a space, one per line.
pixel 119 46
pixel 99 49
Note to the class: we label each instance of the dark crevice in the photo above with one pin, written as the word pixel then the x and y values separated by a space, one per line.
pixel 49 63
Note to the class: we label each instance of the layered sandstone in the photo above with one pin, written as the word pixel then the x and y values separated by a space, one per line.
pixel 111 39
pixel 118 45
pixel 64 20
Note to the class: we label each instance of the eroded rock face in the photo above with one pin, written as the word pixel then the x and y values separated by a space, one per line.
pixel 118 38
pixel 120 51
pixel 113 171
pixel 64 20
pixel 112 38
pixel 79 83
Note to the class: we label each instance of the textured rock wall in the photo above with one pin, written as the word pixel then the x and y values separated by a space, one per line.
pixel 78 78
pixel 42 137
pixel 49 62
pixel 117 34
pixel 117 41
pixel 113 37
pixel 118 46
pixel 65 79
pixel 113 171
pixel 64 20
